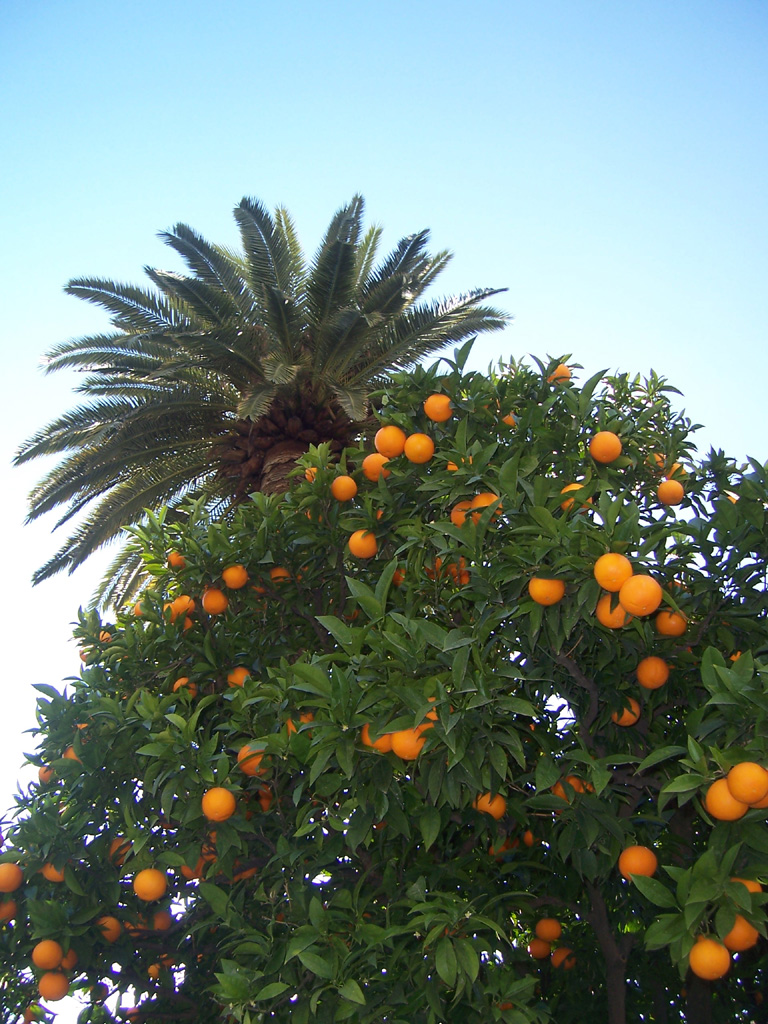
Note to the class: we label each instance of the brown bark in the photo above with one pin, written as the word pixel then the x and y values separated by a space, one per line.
pixel 615 954
pixel 698 1005
pixel 278 463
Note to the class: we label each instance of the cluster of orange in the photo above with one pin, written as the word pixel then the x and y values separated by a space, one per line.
pixel 547 931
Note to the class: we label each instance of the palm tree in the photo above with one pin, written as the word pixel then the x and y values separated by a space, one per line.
pixel 213 384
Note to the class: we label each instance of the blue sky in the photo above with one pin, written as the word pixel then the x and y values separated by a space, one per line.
pixel 604 161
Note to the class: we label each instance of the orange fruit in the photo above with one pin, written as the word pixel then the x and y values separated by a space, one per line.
pixel 612 618
pixel 407 743
pixel 605 447
pixel 495 805
pixel 47 955
pixel 748 782
pixel 528 838
pixel 279 575
pixel 11 877
pixel 563 957
pixel 44 774
pixel 343 488
pixel 8 910
pixel 627 716
pixel 181 605
pixel 742 936
pixel 546 592
pixel 670 492
pixel 109 927
pixel 539 949
pixel 482 501
pixel 70 755
pixel 389 441
pixel 560 374
pixel 638 860
pixel 419 448
pixel 549 929
pixel 568 503
pixel 154 971
pixel 150 884
pixel 362 544
pixel 611 571
pixel 383 743
pixel 176 560
pixel 373 466
pixel 574 782
pixel 162 921
pixel 310 473
pixel 52 873
pixel 438 408
pixel 459 512
pixel 238 675
pixel 709 959
pixel 398 577
pixel 69 960
pixel 509 419
pixel 235 576
pixel 183 683
pixel 304 716
pixel 215 601
pixel 119 848
pixel 721 804
pixel 640 595
pixel 670 623
pixel 249 757
pixel 750 883
pixel 52 986
pixel 652 672
pixel 105 636
pixel 218 803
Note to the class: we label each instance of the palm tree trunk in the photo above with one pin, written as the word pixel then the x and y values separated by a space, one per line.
pixel 279 461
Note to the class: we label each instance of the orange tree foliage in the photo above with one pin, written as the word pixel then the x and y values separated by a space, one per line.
pixel 357 884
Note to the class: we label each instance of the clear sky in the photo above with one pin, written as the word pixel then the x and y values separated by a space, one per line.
pixel 604 160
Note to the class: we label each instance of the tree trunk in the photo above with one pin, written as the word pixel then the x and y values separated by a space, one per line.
pixel 614 954
pixel 278 463
pixel 698 1005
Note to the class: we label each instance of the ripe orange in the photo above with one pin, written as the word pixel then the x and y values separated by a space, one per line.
pixel 438 408
pixel 304 716
pixel 560 374
pixel 652 672
pixel 279 575
pixel 8 910
pixel 44 774
pixel 528 838
pixel 52 986
pixel 109 927
pixel 70 755
pixel 235 576
pixel 310 473
pixel 343 488
pixel 181 605
pixel 742 936
pixel 612 618
pixel 709 959
pixel 549 929
pixel 640 595
pixel 670 623
pixel 563 957
pixel 670 492
pixel 162 921
pixel 11 877
pixel 539 949
pixel 362 544
pixel 627 716
pixel 495 805
pixel 373 466
pixel 407 743
pixel 419 448
pixel 150 884
pixel 459 512
pixel 611 571
pixel 176 560
pixel 721 804
pixel 544 591
pixel 47 955
pixel 218 804
pixel 750 884
pixel 249 758
pixel 183 683
pixel 389 441
pixel 748 782
pixel 69 960
pixel 605 447
pixel 238 676
pixel 383 743
pixel 482 501
pixel 574 782
pixel 52 873
pixel 638 860
pixel 215 601
pixel 509 419
pixel 568 503
pixel 119 848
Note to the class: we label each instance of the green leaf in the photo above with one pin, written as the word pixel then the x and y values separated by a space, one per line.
pixel 319 966
pixel 547 773
pixel 275 988
pixel 469 961
pixel 655 891
pixel 445 962
pixel 429 825
pixel 351 991
pixel 662 754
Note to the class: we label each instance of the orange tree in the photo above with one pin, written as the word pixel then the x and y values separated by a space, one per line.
pixel 403 744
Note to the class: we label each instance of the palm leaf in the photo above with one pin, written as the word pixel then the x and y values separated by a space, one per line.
pixel 211 265
pixel 131 307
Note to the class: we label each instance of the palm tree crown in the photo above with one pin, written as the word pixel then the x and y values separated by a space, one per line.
pixel 214 383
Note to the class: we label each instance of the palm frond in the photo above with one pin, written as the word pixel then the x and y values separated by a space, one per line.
pixel 270 248
pixel 211 265
pixel 256 401
pixel 366 254
pixel 123 580
pixel 115 348
pixel 208 306
pixel 132 307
